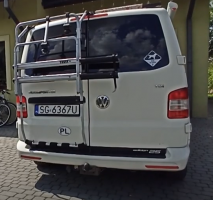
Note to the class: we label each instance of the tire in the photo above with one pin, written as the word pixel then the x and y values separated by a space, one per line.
pixel 13 117
pixel 179 175
pixel 4 114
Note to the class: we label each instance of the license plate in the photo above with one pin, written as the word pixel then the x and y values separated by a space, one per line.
pixel 57 110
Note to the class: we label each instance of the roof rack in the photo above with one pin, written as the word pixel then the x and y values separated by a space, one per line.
pixel 109 62
pixel 130 7
pixel 171 8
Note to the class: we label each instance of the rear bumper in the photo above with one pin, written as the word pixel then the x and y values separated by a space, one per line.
pixel 176 159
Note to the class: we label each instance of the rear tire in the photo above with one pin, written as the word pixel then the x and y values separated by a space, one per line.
pixel 4 114
pixel 179 175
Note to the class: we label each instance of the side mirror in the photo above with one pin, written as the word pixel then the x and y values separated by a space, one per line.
pixel 172 9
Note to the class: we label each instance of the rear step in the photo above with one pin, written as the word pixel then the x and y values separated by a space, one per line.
pixel 81 149
pixel 109 64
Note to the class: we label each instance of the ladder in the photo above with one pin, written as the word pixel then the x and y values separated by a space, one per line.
pixel 109 62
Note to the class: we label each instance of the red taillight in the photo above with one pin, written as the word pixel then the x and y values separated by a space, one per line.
pixel 161 167
pixel 178 104
pixel 24 106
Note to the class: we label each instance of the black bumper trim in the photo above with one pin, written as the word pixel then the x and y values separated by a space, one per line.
pixel 58 100
pixel 82 149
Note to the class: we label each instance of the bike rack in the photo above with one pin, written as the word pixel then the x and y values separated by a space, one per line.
pixel 110 61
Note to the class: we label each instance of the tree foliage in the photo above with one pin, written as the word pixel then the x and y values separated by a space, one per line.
pixel 210 78
pixel 210 68
pixel 211 31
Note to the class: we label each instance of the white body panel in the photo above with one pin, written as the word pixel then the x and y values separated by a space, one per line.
pixel 135 118
pixel 44 128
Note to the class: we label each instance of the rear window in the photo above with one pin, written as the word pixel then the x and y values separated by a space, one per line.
pixel 138 40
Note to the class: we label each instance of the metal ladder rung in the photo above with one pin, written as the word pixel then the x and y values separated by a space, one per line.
pixel 47 78
pixel 48 40
pixel 43 20
pixel 49 63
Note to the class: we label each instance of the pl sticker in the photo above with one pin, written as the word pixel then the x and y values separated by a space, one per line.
pixel 152 58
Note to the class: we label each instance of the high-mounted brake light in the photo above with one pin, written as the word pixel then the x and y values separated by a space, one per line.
pixel 24 106
pixel 178 104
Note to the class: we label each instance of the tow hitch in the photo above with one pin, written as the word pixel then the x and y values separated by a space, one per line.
pixel 85 169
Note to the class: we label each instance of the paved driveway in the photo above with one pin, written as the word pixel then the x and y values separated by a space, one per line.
pixel 22 180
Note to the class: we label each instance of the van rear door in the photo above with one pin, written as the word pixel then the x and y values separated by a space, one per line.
pixel 53 115
pixel 135 115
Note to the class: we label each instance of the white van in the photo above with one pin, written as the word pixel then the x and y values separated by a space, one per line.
pixel 137 120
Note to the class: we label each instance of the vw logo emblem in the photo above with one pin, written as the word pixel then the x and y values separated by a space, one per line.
pixel 102 102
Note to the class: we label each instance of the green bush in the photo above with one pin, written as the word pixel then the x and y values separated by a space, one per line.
pixel 210 78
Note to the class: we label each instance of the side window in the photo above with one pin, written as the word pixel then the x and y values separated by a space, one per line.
pixel 138 40
pixel 3 82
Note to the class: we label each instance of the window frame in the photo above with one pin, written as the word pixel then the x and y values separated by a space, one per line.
pixel 6 40
pixel 126 15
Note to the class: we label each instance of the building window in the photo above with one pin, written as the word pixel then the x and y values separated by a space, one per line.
pixel 5 67
pixel 3 84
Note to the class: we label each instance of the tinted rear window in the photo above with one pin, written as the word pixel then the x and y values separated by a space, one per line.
pixel 138 40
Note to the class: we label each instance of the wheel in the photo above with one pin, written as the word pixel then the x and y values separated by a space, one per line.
pixel 12 118
pixel 179 175
pixel 4 114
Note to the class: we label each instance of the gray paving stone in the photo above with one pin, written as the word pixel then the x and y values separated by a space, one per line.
pixel 28 192
pixel 17 190
pixel 5 188
pixel 45 195
pixel 13 198
pixel 29 197
pixel 38 198
pixel 2 197
pixel 8 193
pixel 20 196
pixel 22 180
pixel 38 194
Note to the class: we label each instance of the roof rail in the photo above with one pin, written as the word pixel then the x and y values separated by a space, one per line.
pixel 130 7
